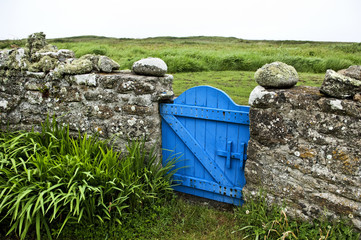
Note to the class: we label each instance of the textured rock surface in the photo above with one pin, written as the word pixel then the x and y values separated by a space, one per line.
pixel 276 75
pixel 38 56
pixel 353 71
pixel 121 105
pixel 260 92
pixel 339 85
pixel 150 67
pixel 305 150
pixel 107 65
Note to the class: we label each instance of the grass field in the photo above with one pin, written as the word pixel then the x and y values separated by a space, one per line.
pixel 237 84
pixel 195 54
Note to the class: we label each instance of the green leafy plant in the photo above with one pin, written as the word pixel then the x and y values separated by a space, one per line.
pixel 49 177
pixel 259 220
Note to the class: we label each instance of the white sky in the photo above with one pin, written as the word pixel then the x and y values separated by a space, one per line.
pixel 317 20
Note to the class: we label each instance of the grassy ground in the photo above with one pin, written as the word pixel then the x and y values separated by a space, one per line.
pixel 186 218
pixel 194 54
pixel 237 84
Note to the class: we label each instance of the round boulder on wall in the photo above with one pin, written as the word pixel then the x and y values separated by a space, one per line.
pixel 150 67
pixel 276 75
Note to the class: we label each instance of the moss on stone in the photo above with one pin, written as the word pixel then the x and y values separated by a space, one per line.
pixel 276 75
pixel 94 59
pixel 78 66
pixel 35 42
pixel 45 64
pixel 48 48
pixel 101 63
pixel 38 56
pixel 14 62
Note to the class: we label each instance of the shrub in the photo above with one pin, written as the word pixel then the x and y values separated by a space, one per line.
pixel 49 178
pixel 183 64
pixel 99 51
pixel 337 64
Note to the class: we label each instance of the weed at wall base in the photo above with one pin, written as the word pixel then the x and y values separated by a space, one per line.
pixel 259 220
pixel 49 178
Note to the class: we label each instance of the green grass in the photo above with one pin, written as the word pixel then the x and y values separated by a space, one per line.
pixel 182 219
pixel 237 84
pixel 49 180
pixel 195 54
pixel 259 220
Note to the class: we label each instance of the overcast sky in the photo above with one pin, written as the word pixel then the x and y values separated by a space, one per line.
pixel 317 20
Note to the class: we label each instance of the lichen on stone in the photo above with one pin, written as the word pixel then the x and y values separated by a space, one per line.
pixel 13 61
pixel 276 75
pixel 78 66
pixel 35 42
pixel 340 86
pixel 101 63
pixel 45 64
pixel 94 59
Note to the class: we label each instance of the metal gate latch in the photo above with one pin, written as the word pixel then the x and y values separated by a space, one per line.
pixel 228 154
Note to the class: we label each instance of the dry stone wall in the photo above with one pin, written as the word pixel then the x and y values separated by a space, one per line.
pixel 121 105
pixel 305 151
pixel 88 93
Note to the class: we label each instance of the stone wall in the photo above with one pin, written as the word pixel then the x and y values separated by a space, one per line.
pixel 305 150
pixel 120 104
pixel 89 93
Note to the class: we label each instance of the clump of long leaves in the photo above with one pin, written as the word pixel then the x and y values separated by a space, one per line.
pixel 258 220
pixel 49 177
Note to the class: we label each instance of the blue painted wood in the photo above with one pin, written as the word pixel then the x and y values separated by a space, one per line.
pixel 216 114
pixel 210 186
pixel 208 163
pixel 212 133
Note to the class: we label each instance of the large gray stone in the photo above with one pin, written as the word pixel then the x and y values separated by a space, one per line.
pixel 340 86
pixel 150 67
pixel 260 92
pixel 276 75
pixel 353 71
pixel 106 64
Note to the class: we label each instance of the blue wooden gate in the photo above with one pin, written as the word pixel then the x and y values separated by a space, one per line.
pixel 211 133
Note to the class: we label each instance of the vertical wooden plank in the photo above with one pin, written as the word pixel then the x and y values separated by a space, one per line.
pixel 199 133
pixel 222 131
pixel 202 134
pixel 189 123
pixel 211 135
